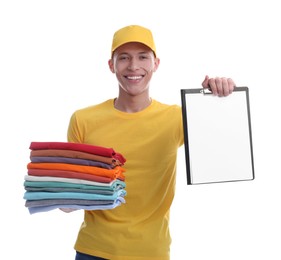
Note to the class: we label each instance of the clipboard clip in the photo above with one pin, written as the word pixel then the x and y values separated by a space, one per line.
pixel 206 91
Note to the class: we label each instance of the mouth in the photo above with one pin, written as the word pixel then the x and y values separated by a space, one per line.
pixel 139 77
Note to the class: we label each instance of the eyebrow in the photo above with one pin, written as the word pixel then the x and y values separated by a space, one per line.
pixel 141 52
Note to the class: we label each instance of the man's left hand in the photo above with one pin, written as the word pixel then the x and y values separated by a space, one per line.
pixel 221 87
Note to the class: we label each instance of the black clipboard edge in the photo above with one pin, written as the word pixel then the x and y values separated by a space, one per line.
pixel 186 143
pixel 185 133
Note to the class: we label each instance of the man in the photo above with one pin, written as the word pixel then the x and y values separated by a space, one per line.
pixel 148 133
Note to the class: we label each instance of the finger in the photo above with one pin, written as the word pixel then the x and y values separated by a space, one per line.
pixel 225 87
pixel 67 210
pixel 212 85
pixel 205 83
pixel 228 86
pixel 219 86
pixel 231 85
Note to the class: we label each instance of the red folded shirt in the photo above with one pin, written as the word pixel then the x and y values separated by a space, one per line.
pixel 92 149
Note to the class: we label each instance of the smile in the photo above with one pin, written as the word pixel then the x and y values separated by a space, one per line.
pixel 134 77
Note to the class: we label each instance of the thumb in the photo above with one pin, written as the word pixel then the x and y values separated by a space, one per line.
pixel 205 83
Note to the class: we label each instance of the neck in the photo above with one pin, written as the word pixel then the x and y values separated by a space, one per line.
pixel 131 105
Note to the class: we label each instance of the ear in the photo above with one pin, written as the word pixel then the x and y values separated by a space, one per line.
pixel 156 64
pixel 111 65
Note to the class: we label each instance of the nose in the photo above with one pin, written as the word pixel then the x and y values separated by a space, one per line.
pixel 133 65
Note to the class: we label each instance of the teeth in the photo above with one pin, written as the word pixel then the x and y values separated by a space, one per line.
pixel 134 77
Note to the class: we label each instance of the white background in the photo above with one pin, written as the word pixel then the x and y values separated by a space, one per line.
pixel 53 60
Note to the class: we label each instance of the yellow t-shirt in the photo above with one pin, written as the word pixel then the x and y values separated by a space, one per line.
pixel 149 140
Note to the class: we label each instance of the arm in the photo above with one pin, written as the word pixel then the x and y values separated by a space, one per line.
pixel 73 132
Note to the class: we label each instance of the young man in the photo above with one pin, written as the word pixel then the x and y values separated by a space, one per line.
pixel 148 133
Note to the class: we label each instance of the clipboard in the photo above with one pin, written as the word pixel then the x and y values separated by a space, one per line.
pixel 217 136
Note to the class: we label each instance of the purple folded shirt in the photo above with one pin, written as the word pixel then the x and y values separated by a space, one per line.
pixel 54 159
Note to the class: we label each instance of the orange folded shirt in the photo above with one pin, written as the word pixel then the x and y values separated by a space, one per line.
pixel 116 173
pixel 69 175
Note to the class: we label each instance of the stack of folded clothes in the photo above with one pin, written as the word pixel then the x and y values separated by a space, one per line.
pixel 74 176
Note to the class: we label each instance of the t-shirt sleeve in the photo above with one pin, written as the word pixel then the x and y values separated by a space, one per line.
pixel 74 133
pixel 181 132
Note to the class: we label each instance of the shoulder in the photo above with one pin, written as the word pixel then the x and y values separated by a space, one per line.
pixel 170 117
pixel 89 110
pixel 104 105
pixel 167 112
pixel 89 113
pixel 167 107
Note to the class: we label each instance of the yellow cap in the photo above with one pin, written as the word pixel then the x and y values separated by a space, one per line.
pixel 133 33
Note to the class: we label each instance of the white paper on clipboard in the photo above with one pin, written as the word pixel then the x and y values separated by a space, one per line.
pixel 218 136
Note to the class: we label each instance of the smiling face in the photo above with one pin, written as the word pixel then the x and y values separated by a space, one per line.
pixel 134 64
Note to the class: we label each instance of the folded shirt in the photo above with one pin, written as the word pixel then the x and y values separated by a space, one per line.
pixel 29 195
pixel 96 191
pixel 116 203
pixel 70 180
pixel 68 174
pixel 46 182
pixel 58 159
pixel 52 202
pixel 75 154
pixel 116 173
pixel 98 150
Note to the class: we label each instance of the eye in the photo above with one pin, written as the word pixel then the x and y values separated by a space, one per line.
pixel 143 57
pixel 123 57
